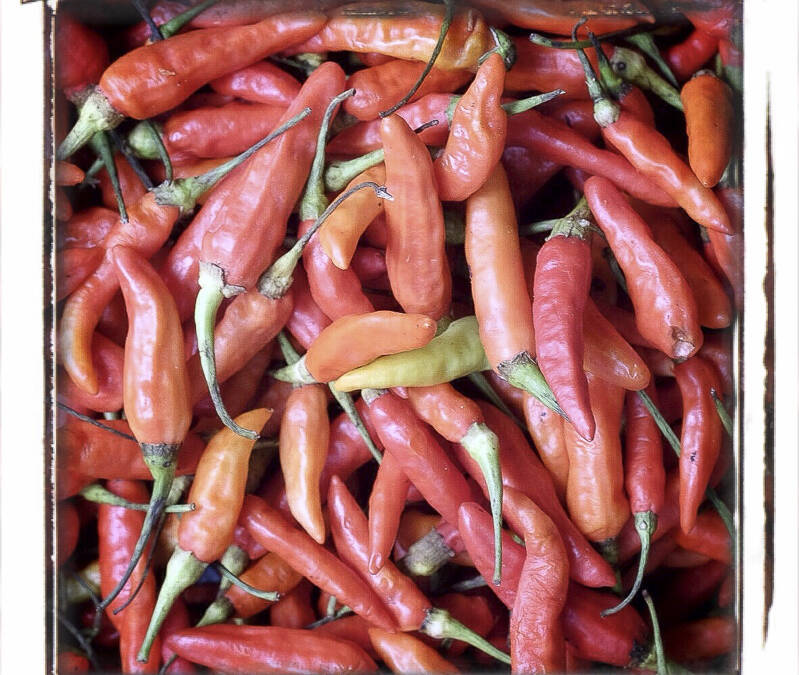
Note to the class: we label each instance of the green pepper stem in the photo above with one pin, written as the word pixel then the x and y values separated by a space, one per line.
pixel 102 147
pixel 134 163
pixel 646 43
pixel 294 373
pixel 645 525
pixel 100 495
pixel 524 104
pixel 212 290
pixel 140 140
pixel 275 282
pixel 182 570
pixel 523 372
pixel 160 459
pixel 442 34
pixel 615 268
pixel 271 596
pixel 290 354
pixel 314 201
pixel 184 192
pixel 96 114
pixel 482 445
pixel 439 624
pixel 160 149
pixel 503 46
pixel 339 174
pixel 576 223
pixel 155 32
pixel 330 616
pixel 348 406
pixel 632 67
pixel 606 112
pixel 544 41
pixel 724 416
pixel 426 555
pixel 177 22
pixel 94 422
pixel 234 559
pixel 219 611
pixel 660 657
pixel 469 584
pixel 481 382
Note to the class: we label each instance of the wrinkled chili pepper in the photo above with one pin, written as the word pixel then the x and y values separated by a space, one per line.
pixel 155 78
pixel 205 533
pixel 666 310
pixel 268 649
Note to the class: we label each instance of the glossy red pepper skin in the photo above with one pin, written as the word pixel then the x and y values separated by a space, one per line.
pixel 477 135
pixel 155 78
pixel 82 55
pixel 560 293
pixel 386 504
pixel 156 384
pixel 688 56
pixel 644 475
pixel 306 320
pixel 108 360
pixel 177 619
pixel 73 266
pixel 313 561
pixel 269 573
pixel 728 249
pixel 261 82
pixel 379 87
pixel 709 537
pixel 420 455
pixel 118 530
pixel 522 470
pixel 404 653
pixel 415 251
pixel 701 435
pixel 666 310
pixel 558 142
pixel 294 609
pixel 221 131
pixel 268 649
pixel 86 228
pixel 595 488
pixel 536 635
pixel 651 153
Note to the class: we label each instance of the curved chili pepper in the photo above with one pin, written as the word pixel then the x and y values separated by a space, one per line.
pixel 459 420
pixel 702 639
pixel 108 359
pixel 477 134
pixel 386 504
pixel 522 470
pixel 268 649
pixel 713 306
pixel 536 636
pixel 595 489
pixel 560 291
pixel 688 56
pixel 86 228
pixel 313 561
pixel 73 266
pixel 369 264
pixel 67 174
pixel 155 78
pixel 340 233
pixel 378 87
pixel 665 307
pixel 411 609
pixel 358 339
pixel 82 55
pixel 502 304
pixel 409 34
pixel 701 436
pixel 709 118
pixel 708 537
pixel 262 82
pixel 404 653
pixel 304 435
pixel 415 255
pixel 208 132
pixel 217 492
pixel 118 532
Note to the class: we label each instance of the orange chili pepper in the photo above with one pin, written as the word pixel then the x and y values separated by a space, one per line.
pixel 386 504
pixel 404 653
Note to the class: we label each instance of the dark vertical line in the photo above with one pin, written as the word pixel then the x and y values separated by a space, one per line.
pixel 48 306
pixel 768 397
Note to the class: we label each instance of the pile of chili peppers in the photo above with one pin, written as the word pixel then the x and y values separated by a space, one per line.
pixel 398 335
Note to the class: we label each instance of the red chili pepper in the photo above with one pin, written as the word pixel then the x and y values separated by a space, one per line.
pixel 82 55
pixel 154 78
pixel 72 662
pixel 709 537
pixel 546 429
pixel 728 249
pixel 688 56
pixel 262 82
pixel 477 134
pixel 522 470
pixel 709 118
pixel 68 531
pixel 558 142
pixel 118 532
pixel 206 132
pixel 545 68
pixel 415 255
pixel 681 595
pixel 205 533
pixel 369 263
pixel 410 34
pixel 665 307
pixel 379 87
pixel 130 185
pixel 701 435
pixel 73 266
pixel 386 504
pixel 404 653
pixel 527 172
pixel 536 635
pixel 67 174
pixel 86 228
pixel 294 609
pixel 268 649
pixel 717 349
pixel 177 619
pixel 700 640
pixel 108 360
